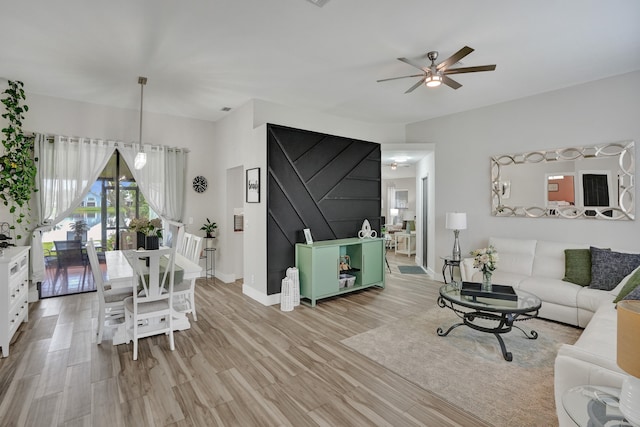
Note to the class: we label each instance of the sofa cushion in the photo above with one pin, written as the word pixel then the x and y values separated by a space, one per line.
pixel 608 268
pixel 577 267
pixel 592 299
pixel 552 290
pixel 549 260
pixel 516 255
pixel 600 336
pixel 631 282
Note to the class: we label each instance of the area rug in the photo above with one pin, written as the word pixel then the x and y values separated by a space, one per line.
pixel 467 369
pixel 410 269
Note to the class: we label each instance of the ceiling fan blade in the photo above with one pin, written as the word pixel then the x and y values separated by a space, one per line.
pixel 454 58
pixel 403 77
pixel 413 64
pixel 470 69
pixel 450 82
pixel 412 88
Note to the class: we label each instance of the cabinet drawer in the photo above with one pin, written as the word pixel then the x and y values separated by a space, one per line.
pixel 18 292
pixel 17 315
pixel 18 266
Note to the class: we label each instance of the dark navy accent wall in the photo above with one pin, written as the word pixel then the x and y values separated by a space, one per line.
pixel 326 183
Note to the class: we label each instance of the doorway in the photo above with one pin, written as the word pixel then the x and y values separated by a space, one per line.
pixel 103 215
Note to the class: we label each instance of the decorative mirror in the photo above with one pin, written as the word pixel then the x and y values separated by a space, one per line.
pixel 594 182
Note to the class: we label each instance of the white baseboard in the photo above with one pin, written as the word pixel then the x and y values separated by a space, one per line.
pixel 263 299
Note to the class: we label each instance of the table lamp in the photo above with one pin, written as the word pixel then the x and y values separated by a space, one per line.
pixel 628 359
pixel 456 221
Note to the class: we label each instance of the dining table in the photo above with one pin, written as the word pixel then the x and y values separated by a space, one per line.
pixel 120 275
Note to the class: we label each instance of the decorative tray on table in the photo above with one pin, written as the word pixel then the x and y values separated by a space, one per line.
pixel 501 292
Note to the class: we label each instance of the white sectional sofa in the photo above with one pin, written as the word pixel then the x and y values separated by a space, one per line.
pixel 538 267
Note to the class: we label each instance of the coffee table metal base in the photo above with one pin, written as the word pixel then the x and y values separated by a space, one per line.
pixel 504 324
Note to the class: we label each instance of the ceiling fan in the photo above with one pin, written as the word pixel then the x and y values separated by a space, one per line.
pixel 434 75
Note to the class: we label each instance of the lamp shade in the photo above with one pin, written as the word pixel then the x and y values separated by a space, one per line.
pixel 456 221
pixel 629 337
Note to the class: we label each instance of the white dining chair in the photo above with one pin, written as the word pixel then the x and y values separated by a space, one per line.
pixel 149 311
pixel 110 300
pixel 185 244
pixel 185 292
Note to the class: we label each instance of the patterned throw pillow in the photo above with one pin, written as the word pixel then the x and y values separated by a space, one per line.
pixel 632 283
pixel 608 268
pixel 634 294
pixel 577 266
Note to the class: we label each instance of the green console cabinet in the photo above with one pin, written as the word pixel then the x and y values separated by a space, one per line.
pixel 318 264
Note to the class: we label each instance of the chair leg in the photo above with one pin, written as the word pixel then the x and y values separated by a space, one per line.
pixel 101 314
pixel 192 298
pixel 135 349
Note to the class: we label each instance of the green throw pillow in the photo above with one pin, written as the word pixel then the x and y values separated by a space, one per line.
pixel 577 267
pixel 632 283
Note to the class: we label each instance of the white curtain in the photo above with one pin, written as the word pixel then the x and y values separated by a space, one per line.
pixel 67 168
pixel 162 179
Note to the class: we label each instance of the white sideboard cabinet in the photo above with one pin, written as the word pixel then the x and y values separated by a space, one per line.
pixel 14 293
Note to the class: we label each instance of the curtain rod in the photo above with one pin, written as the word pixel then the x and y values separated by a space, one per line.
pixel 51 138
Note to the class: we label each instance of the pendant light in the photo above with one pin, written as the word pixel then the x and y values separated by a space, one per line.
pixel 141 157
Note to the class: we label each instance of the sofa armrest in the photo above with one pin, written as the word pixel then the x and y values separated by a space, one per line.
pixel 466 269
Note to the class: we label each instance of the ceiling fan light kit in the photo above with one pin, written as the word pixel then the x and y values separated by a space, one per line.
pixel 434 75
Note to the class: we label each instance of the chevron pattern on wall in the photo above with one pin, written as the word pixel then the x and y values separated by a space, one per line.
pixel 326 183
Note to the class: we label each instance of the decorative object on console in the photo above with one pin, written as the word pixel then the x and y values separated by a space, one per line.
pixel 366 232
pixel 627 359
pixel 456 221
pixel 307 236
pixel 486 260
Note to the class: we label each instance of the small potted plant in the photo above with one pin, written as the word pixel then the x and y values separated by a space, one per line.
pixel 209 228
pixel 151 231
pixel 80 227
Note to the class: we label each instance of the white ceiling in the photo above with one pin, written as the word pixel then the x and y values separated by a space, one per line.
pixel 203 55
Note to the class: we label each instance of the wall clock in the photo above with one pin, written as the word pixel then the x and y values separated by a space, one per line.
pixel 200 184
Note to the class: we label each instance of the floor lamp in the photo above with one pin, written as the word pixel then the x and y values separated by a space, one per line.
pixel 628 359
pixel 456 221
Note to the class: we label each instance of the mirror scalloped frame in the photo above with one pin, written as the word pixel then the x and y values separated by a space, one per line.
pixel 625 153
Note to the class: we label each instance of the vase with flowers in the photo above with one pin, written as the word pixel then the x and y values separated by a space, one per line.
pixel 149 232
pixel 486 260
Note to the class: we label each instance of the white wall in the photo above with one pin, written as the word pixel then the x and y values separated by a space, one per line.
pixel 589 114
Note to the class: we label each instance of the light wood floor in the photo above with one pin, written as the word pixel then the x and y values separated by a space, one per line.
pixel 241 364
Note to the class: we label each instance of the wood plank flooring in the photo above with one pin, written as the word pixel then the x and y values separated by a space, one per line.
pixel 241 364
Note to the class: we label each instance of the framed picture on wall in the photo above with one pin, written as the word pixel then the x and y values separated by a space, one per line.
pixel 253 185
pixel 553 186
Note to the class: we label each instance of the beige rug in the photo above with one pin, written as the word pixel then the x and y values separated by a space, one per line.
pixel 467 369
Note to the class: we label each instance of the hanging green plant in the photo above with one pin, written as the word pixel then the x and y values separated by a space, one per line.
pixel 17 163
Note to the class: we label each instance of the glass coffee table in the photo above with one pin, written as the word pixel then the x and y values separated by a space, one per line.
pixel 493 316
